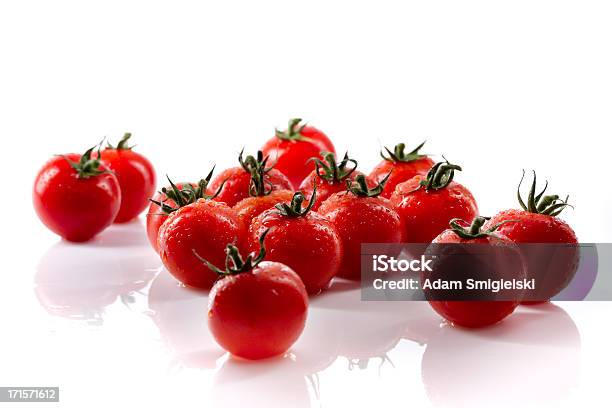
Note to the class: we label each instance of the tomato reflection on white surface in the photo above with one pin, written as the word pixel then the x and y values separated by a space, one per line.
pixel 79 281
pixel 530 359
pixel 351 352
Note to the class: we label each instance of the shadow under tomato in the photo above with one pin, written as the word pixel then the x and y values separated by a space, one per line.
pixel 78 281
pixel 180 315
pixel 131 234
pixel 363 330
pixel 275 382
pixel 532 358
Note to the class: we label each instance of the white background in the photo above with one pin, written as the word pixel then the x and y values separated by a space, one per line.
pixel 495 86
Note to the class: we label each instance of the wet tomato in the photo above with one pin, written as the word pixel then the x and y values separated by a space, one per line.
pixel 173 197
pixel 329 177
pixel 136 177
pixel 508 264
pixel 361 216
pixel 256 309
pixel 549 244
pixel 251 207
pixel 426 204
pixel 239 181
pixel 205 226
pixel 76 196
pixel 300 238
pixel 403 166
pixel 291 150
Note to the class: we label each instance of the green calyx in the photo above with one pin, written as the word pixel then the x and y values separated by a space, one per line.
pixel 539 203
pixel 399 155
pixel 295 208
pixel 87 166
pixel 123 143
pixel 293 132
pixel 186 194
pixel 360 188
pixel 474 230
pixel 256 167
pixel 439 176
pixel 330 170
pixel 234 264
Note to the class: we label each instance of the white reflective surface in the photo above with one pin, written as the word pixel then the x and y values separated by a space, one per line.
pixel 496 87
pixel 107 323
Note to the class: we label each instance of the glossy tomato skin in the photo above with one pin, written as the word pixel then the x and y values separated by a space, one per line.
pixel 291 157
pixel 426 214
pixel 136 177
pixel 308 244
pixel 204 226
pixel 238 181
pixel 259 313
pixel 251 207
pixel 75 208
pixel 325 188
pixel 400 172
pixel 312 133
pixel 156 217
pixel 532 228
pixel 361 220
pixel 474 314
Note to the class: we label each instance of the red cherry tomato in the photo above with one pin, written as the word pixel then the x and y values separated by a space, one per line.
pixel 205 226
pixel 251 207
pixel 156 216
pixel 76 196
pixel 258 309
pixel 173 197
pixel 428 203
pixel 329 177
pixel 136 178
pixel 303 240
pixel 403 166
pixel 538 223
pixel 291 150
pixel 239 180
pixel 361 216
pixel 475 313
pixel 534 227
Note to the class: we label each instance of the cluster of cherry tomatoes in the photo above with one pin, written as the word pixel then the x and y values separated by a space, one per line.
pixel 78 195
pixel 300 213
